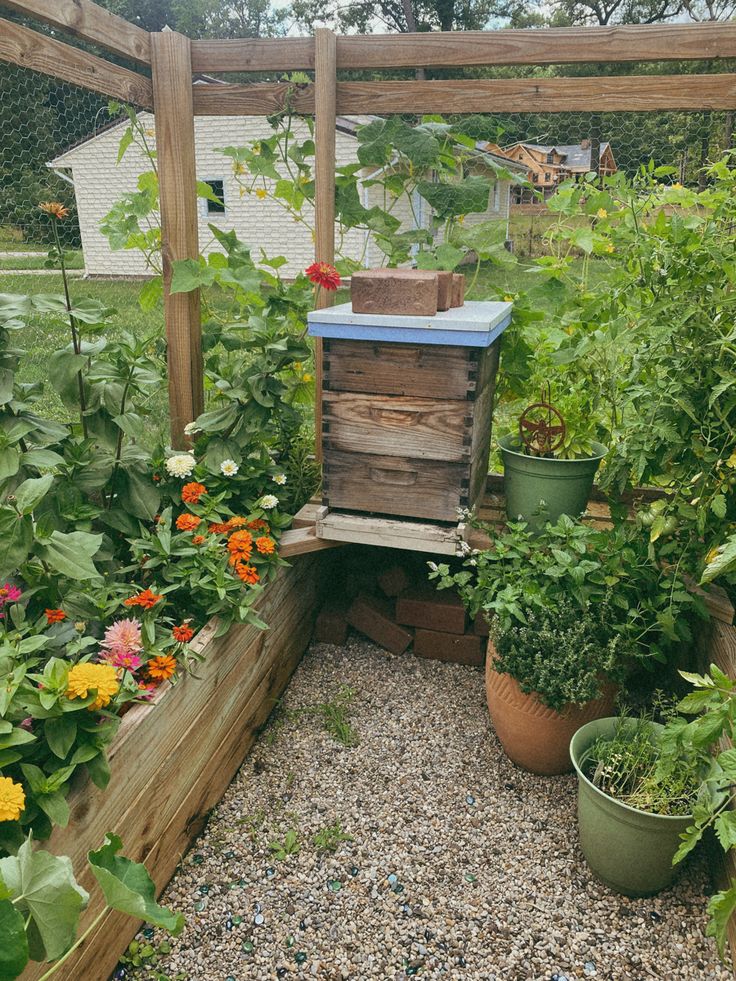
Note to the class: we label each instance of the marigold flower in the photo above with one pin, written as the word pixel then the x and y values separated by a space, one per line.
pixel 247 573
pixel 12 799
pixel 54 208
pixel 198 540
pixel 191 493
pixel 265 545
pixel 240 546
pixel 54 616
pixel 183 633
pixel 324 275
pixel 146 599
pixel 188 522
pixel 181 464
pixel 86 677
pixel 161 667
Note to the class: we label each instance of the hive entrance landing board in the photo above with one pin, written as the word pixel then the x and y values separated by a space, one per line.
pixel 366 529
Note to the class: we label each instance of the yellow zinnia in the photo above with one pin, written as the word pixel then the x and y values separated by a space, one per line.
pixel 12 799
pixel 100 678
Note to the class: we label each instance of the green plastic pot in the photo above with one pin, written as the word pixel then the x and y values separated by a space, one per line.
pixel 631 851
pixel 533 482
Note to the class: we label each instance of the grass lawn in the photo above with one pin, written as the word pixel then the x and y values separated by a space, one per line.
pixel 74 260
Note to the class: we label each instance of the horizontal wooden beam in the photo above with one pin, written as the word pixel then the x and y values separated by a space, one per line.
pixel 639 93
pixel 253 55
pixel 21 46
pixel 86 20
pixel 255 99
pixel 620 93
pixel 545 46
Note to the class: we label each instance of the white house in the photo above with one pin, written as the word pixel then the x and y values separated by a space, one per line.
pixel 99 180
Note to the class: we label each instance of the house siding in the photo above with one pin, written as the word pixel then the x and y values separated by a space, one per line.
pixel 262 224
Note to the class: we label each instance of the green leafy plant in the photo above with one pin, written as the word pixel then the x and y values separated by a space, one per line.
pixel 40 903
pixel 289 845
pixel 329 838
pixel 564 655
pixel 572 562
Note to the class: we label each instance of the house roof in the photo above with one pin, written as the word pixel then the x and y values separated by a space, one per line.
pixel 575 155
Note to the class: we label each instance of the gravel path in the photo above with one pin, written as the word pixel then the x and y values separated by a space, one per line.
pixel 461 866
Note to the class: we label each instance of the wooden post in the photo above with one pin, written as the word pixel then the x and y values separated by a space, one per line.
pixel 325 122
pixel 172 101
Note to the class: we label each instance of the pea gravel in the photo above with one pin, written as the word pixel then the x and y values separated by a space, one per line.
pixel 461 866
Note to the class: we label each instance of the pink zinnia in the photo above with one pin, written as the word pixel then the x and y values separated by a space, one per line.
pixel 9 593
pixel 121 659
pixel 123 637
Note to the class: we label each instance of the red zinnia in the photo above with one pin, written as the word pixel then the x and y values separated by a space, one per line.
pixel 54 616
pixel 324 275
pixel 183 634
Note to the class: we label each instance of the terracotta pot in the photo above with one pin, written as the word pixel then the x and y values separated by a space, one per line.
pixel 535 737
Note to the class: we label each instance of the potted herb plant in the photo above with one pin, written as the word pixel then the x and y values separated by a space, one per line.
pixel 548 470
pixel 648 792
pixel 571 609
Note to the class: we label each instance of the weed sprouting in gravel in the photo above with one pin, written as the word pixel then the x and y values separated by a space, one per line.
pixel 329 838
pixel 289 846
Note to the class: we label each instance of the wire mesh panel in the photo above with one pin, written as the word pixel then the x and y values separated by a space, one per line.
pixel 40 118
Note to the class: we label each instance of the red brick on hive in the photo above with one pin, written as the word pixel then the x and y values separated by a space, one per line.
pixel 432 609
pixel 393 581
pixel 458 290
pixel 332 625
pixel 407 292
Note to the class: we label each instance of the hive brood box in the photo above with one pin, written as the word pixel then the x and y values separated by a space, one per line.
pixel 406 408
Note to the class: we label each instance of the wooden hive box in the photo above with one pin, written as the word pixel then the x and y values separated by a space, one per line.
pixel 406 423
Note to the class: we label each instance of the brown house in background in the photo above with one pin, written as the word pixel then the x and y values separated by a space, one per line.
pixel 548 166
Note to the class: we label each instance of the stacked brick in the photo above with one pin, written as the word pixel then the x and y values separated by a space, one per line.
pixel 395 606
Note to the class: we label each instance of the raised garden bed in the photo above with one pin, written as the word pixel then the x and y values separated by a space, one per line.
pixel 173 757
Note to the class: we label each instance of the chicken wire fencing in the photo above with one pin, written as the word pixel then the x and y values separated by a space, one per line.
pixel 42 118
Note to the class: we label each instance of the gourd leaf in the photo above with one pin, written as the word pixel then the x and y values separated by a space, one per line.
pixel 723 561
pixel 16 539
pixel 50 894
pixel 720 909
pixel 14 948
pixel 128 887
pixel 71 554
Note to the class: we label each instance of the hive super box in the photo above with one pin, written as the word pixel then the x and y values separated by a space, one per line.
pixel 406 408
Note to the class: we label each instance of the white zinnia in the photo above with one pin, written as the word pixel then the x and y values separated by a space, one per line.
pixel 181 464
pixel 268 501
pixel 280 479
pixel 191 428
pixel 228 468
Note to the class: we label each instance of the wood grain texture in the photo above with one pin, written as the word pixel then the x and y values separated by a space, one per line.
pixel 172 89
pixel 21 46
pixel 394 485
pixel 399 369
pixel 414 536
pixel 90 22
pixel 253 99
pixel 480 448
pixel 642 93
pixel 299 541
pixel 426 429
pixel 155 801
pixel 550 46
pixel 253 55
pixel 325 121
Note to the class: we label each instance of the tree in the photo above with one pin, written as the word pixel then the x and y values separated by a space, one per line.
pixel 365 16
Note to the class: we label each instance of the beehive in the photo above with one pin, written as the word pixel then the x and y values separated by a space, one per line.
pixel 406 416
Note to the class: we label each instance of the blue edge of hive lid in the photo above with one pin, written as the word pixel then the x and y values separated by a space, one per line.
pixel 336 328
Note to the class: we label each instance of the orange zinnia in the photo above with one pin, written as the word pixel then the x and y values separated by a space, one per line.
pixel 146 599
pixel 236 522
pixel 265 545
pixel 191 493
pixel 198 539
pixel 54 208
pixel 54 616
pixel 183 633
pixel 247 573
pixel 188 522
pixel 161 667
pixel 217 528
pixel 259 525
pixel 240 546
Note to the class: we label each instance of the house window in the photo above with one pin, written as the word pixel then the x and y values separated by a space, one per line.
pixel 550 158
pixel 546 178
pixel 535 178
pixel 217 187
pixel 496 196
